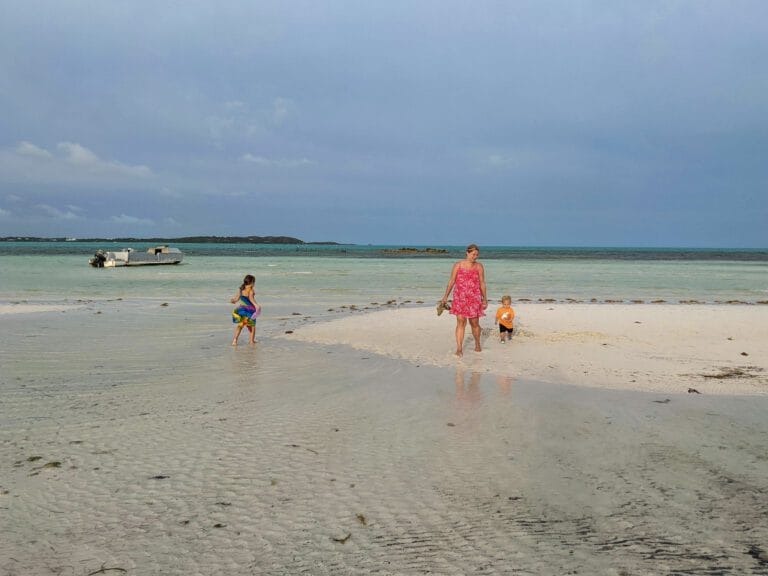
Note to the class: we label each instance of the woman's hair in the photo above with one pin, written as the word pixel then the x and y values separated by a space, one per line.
pixel 247 281
pixel 472 248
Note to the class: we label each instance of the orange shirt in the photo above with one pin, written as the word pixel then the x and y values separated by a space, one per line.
pixel 505 315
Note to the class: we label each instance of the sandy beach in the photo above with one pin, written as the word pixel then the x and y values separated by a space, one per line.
pixel 146 450
pixel 657 348
pixel 26 308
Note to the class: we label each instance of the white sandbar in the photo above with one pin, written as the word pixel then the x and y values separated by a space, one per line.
pixel 661 348
pixel 33 308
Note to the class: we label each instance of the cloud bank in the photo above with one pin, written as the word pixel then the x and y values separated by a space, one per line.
pixel 565 123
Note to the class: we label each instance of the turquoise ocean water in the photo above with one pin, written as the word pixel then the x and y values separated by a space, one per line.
pixel 311 279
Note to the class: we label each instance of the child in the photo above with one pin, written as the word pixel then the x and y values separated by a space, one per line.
pixel 246 311
pixel 504 318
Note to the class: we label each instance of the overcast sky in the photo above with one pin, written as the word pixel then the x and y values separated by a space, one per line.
pixel 537 122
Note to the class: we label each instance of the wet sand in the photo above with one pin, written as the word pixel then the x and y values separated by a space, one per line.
pixel 181 455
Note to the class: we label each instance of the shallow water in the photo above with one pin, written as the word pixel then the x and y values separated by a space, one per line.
pixel 181 455
pixel 315 284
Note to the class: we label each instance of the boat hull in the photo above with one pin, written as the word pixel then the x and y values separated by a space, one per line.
pixel 152 257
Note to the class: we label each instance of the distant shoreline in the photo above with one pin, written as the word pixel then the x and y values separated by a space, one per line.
pixel 182 240
pixel 433 248
pixel 288 245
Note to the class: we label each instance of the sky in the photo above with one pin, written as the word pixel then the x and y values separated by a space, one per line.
pixel 522 123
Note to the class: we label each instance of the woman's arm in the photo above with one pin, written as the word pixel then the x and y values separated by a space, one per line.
pixel 482 286
pixel 451 282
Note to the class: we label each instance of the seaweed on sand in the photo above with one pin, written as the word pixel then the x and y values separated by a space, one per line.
pixel 343 539
pixel 735 372
pixel 104 570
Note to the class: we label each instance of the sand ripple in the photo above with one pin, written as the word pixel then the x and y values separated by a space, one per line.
pixel 297 459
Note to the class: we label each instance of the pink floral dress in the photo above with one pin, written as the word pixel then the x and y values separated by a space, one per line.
pixel 467 297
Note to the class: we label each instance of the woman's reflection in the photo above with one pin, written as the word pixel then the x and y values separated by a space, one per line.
pixel 468 392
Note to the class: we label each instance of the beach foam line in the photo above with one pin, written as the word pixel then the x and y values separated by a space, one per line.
pixel 674 348
pixel 27 308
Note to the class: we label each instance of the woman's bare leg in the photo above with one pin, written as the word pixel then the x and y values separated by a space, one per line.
pixel 461 323
pixel 474 324
pixel 252 330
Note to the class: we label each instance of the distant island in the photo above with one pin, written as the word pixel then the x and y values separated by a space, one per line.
pixel 182 240
pixel 415 251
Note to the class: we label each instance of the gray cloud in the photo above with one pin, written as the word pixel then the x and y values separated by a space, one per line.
pixel 81 156
pixel 56 213
pixel 72 162
pixel 29 149
pixel 132 220
pixel 277 162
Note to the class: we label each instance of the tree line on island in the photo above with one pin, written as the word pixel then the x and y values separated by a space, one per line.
pixel 182 240
pixel 284 240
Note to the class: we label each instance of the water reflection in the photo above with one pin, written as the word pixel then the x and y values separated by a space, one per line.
pixel 468 393
pixel 244 362
pixel 504 383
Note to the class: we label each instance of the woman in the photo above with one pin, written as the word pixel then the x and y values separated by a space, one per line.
pixel 469 300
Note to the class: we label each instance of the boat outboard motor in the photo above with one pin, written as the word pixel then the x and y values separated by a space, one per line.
pixel 98 259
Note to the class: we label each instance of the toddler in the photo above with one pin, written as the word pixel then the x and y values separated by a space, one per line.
pixel 505 316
